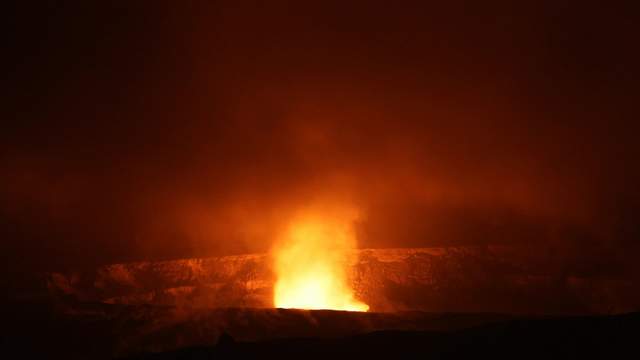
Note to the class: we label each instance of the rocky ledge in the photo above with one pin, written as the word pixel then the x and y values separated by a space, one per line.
pixel 464 279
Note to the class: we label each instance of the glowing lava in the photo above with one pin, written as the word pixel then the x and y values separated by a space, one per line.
pixel 311 262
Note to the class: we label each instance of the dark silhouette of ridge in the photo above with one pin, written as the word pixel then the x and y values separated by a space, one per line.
pixel 607 337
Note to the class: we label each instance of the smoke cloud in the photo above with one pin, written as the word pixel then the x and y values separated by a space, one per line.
pixel 155 133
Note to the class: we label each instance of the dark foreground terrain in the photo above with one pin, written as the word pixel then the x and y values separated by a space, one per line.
pixel 103 331
pixel 552 338
pixel 559 338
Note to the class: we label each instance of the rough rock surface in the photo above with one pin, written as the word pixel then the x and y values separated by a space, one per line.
pixel 427 279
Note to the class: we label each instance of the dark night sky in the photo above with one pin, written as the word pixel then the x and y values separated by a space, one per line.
pixel 174 130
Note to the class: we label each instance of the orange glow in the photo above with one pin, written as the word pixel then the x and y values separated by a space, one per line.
pixel 311 263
